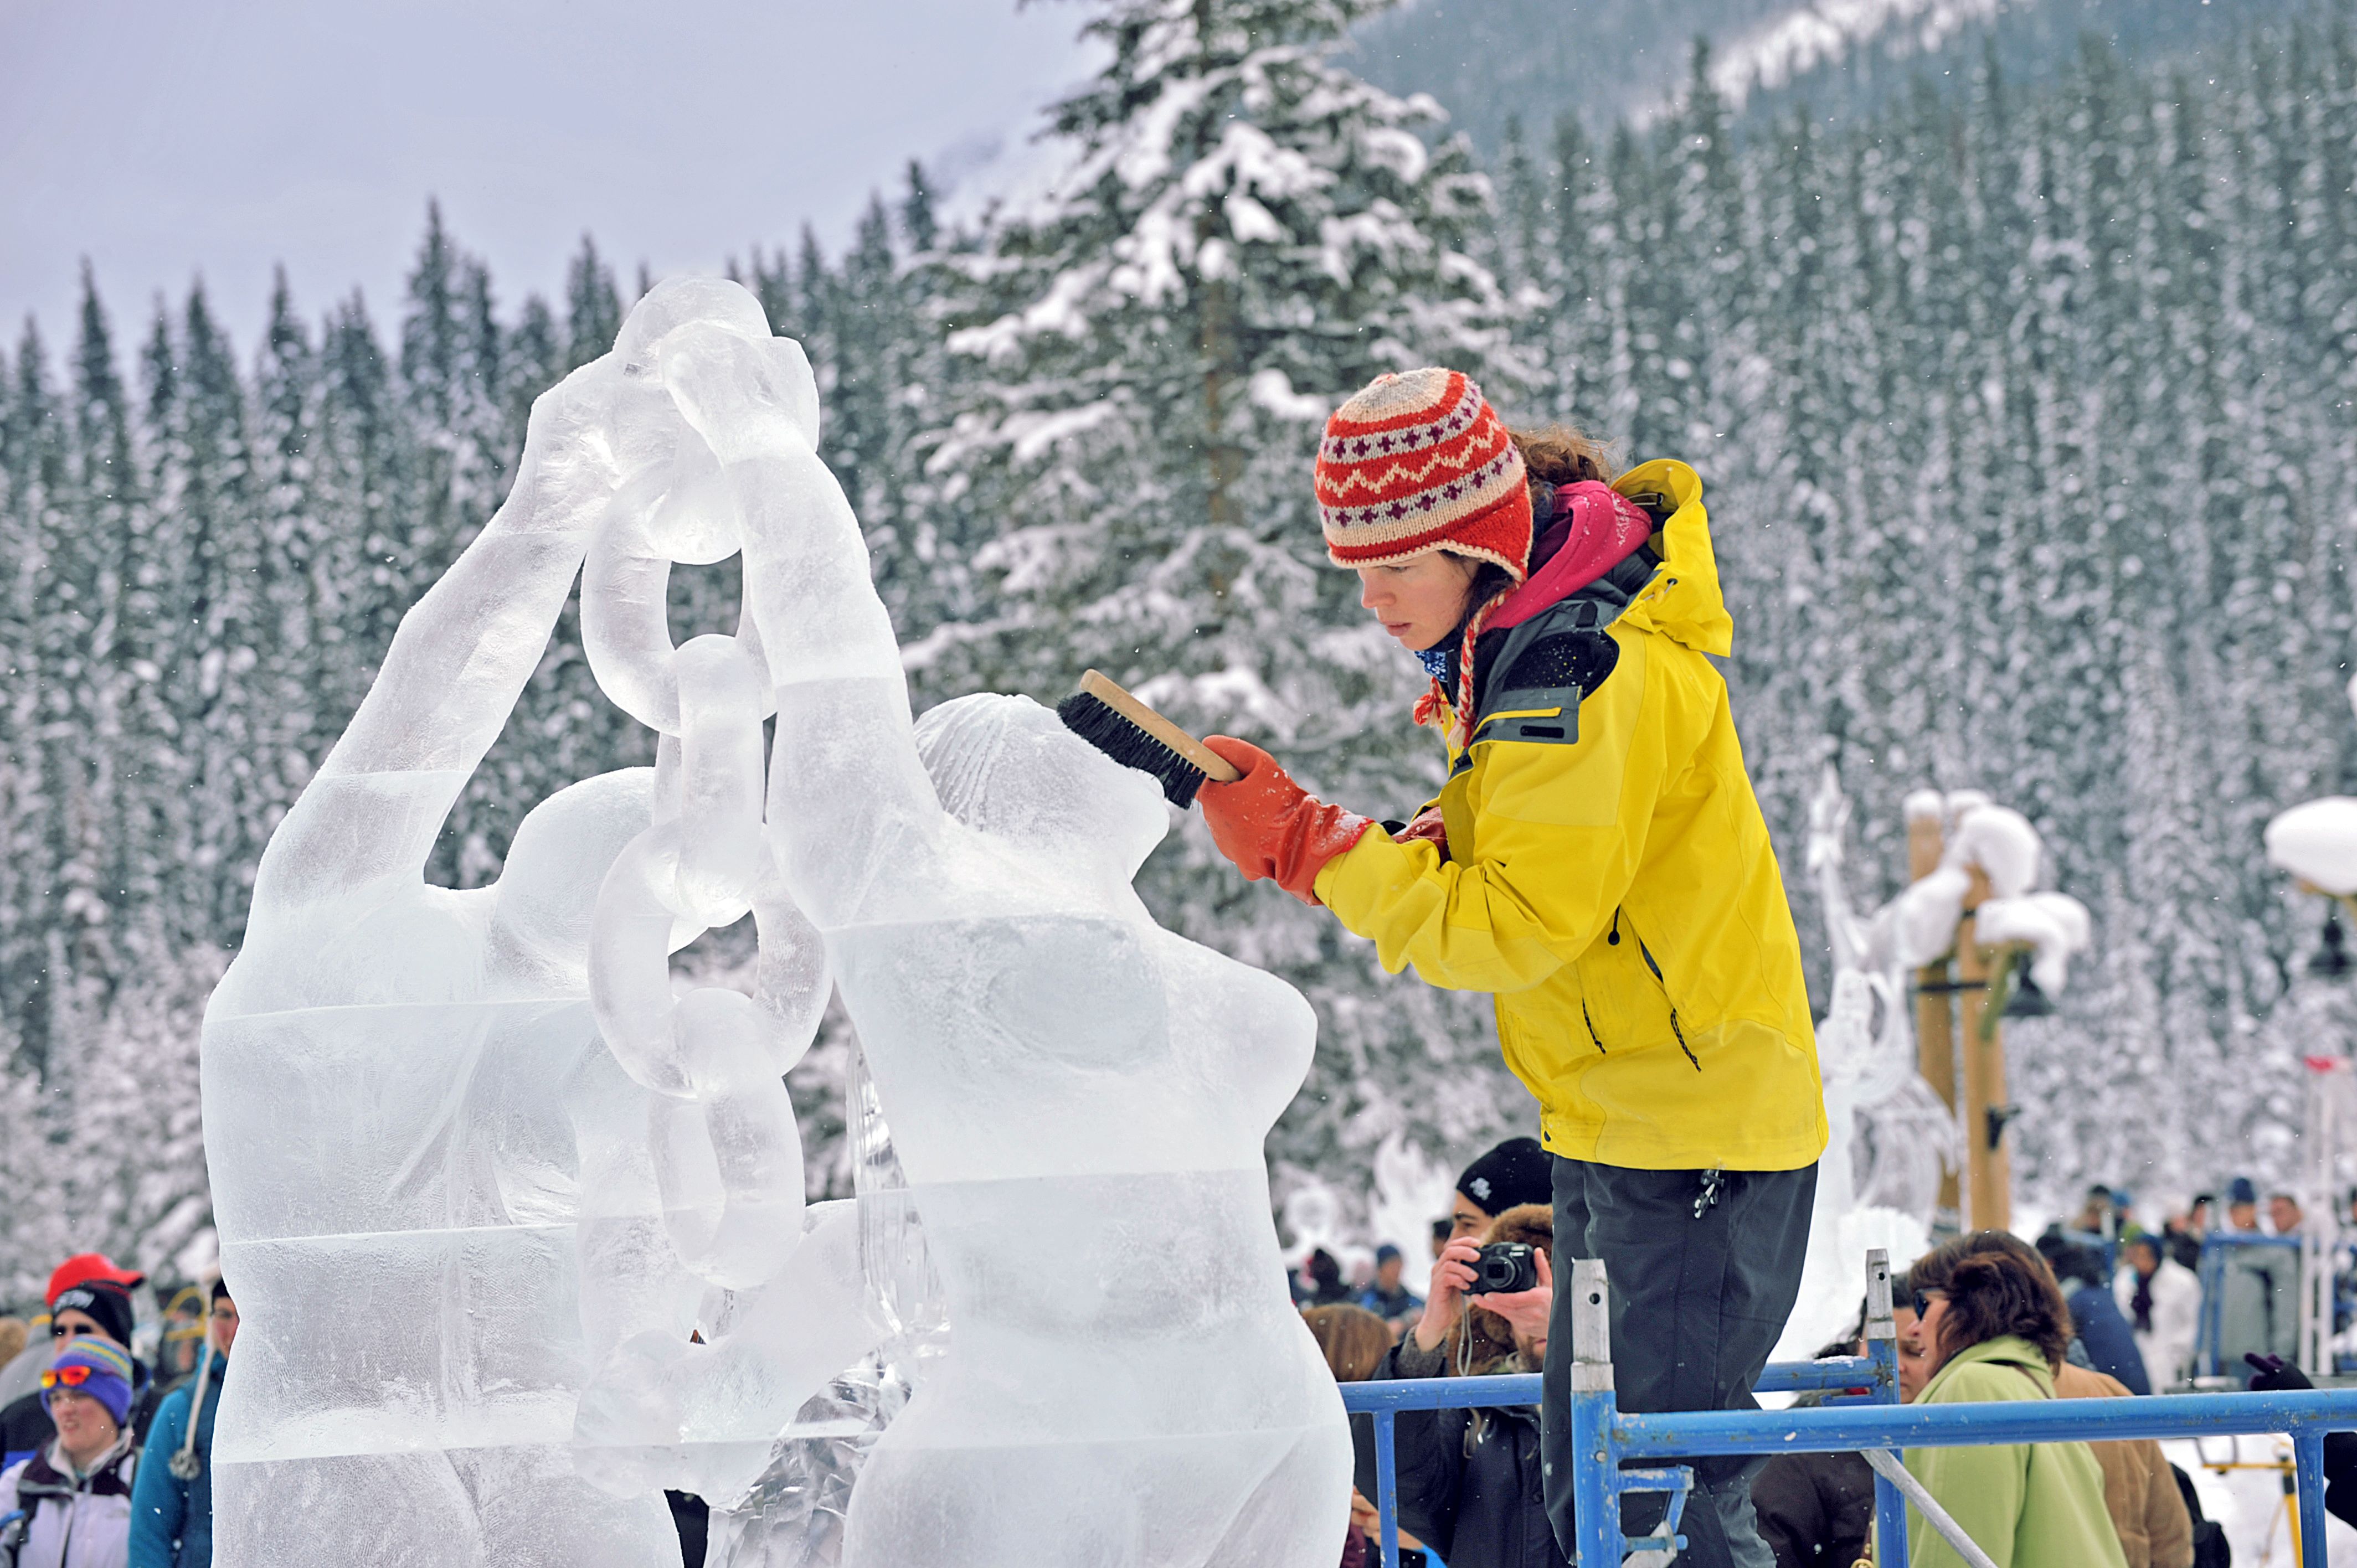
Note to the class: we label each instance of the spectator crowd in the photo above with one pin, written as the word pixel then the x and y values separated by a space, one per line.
pixel 2097 1306
pixel 106 1429
pixel 106 1432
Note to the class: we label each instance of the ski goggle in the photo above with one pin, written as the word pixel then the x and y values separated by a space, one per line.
pixel 67 1377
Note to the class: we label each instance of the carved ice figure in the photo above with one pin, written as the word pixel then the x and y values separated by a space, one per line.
pixel 1079 1098
pixel 392 1077
pixel 442 1198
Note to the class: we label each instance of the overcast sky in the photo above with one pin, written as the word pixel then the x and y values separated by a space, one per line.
pixel 167 138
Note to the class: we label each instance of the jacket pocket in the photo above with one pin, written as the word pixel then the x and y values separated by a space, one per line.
pixel 1653 965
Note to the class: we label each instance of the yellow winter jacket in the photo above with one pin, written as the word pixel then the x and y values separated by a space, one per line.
pixel 1610 878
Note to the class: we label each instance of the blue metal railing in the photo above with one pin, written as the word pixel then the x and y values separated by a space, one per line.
pixel 1613 1439
pixel 1843 1380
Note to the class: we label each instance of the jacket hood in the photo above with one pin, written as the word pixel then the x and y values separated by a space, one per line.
pixel 2005 1350
pixel 1682 601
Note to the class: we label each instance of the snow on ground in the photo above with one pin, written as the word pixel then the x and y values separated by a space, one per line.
pixel 2251 1503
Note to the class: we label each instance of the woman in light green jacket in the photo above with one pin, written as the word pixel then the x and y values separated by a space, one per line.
pixel 1995 1329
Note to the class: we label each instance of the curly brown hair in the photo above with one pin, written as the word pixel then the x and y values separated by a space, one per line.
pixel 1352 1339
pixel 1554 455
pixel 1563 455
pixel 1995 1284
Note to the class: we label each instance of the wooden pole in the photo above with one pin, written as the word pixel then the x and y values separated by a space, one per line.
pixel 1935 1044
pixel 1988 1168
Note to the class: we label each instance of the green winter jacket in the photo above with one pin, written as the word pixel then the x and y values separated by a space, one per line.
pixel 2027 1505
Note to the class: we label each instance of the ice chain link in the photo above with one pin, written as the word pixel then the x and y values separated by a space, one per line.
pixel 727 1151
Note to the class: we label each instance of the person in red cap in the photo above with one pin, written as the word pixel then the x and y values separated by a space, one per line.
pixel 22 1375
pixel 88 1297
pixel 1597 860
pixel 83 1267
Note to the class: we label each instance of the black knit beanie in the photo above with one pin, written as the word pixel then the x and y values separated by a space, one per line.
pixel 1513 1174
pixel 108 1305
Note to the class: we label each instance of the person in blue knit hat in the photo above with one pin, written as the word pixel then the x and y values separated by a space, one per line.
pixel 172 1506
pixel 75 1494
pixel 96 1308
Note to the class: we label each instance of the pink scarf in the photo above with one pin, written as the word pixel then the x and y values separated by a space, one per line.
pixel 1596 528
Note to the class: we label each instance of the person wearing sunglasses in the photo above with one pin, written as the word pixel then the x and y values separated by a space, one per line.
pixel 22 1375
pixel 94 1309
pixel 1995 1329
pixel 76 1492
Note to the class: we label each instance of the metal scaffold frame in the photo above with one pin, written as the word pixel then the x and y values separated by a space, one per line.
pixel 1620 1453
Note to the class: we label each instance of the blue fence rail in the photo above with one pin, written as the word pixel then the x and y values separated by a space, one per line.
pixel 1621 1453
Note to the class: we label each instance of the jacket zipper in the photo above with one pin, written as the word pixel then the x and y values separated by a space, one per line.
pixel 1658 979
pixel 1591 1028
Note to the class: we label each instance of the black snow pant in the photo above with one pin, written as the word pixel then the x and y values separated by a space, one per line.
pixel 1705 1268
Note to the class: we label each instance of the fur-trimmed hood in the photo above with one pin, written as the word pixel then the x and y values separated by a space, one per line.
pixel 1482 1343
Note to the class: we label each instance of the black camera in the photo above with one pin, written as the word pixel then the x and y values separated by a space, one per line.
pixel 1504 1267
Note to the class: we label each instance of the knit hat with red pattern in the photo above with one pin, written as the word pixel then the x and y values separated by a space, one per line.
pixel 1421 462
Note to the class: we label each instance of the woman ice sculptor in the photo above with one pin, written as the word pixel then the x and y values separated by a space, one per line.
pixel 1597 860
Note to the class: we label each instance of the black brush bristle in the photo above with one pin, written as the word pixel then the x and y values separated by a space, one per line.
pixel 1106 729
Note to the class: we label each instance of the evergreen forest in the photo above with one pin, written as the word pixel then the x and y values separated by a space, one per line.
pixel 2024 411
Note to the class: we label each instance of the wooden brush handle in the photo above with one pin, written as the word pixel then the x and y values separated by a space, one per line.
pixel 1215 767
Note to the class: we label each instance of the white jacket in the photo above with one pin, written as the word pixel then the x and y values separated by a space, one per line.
pixel 2168 1347
pixel 81 1523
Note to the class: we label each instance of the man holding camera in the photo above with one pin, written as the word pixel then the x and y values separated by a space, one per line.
pixel 1509 1276
pixel 1471 1481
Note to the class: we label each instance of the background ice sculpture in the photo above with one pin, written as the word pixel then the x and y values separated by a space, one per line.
pixel 1892 1136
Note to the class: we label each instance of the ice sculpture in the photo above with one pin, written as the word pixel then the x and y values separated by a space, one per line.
pixel 1893 1137
pixel 392 1074
pixel 1079 1098
pixel 478 1172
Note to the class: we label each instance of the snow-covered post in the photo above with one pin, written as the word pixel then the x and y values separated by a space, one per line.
pixel 1989 1163
pixel 1976 908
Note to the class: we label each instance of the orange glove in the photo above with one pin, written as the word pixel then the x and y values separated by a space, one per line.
pixel 1270 826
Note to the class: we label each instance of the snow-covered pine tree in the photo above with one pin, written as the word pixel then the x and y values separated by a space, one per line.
pixel 210 544
pixel 1244 234
pixel 129 1164
pixel 358 582
pixel 33 444
pixel 34 1230
pixel 593 307
pixel 294 537
pixel 120 712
